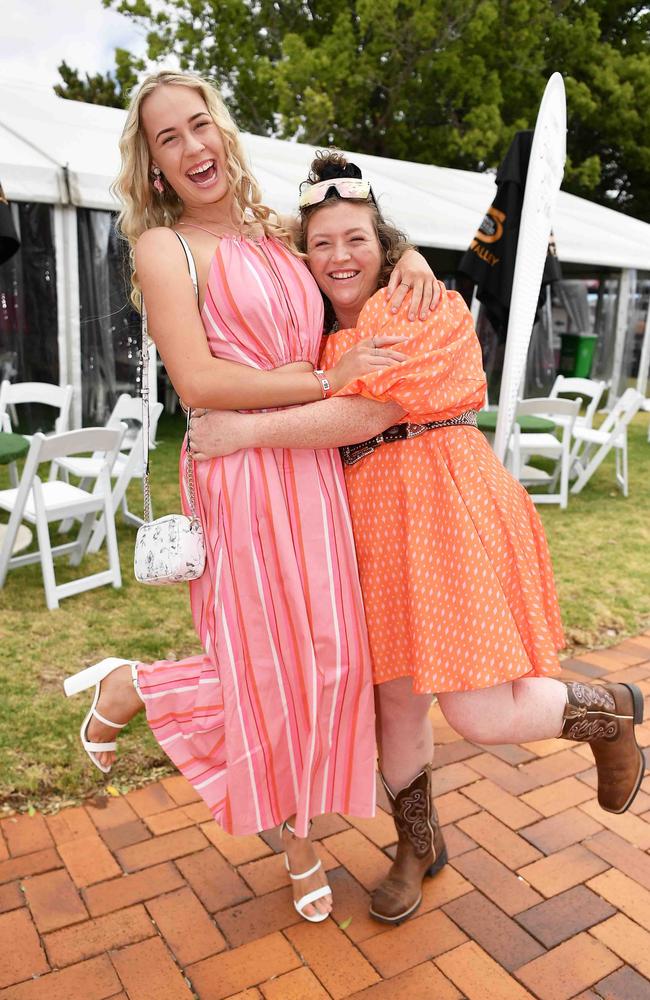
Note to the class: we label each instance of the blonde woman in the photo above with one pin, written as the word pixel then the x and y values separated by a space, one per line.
pixel 274 723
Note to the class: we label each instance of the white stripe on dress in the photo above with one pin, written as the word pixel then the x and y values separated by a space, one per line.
pixel 248 755
pixel 281 340
pixel 185 687
pixel 337 636
pixel 274 652
pixel 246 358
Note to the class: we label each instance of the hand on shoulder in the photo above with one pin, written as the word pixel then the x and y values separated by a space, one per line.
pixel 378 312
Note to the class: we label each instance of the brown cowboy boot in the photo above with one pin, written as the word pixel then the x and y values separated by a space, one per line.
pixel 604 716
pixel 420 850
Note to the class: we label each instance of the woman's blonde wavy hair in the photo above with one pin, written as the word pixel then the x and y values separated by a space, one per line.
pixel 143 208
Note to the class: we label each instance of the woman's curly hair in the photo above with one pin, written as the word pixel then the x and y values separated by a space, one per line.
pixel 331 164
pixel 142 208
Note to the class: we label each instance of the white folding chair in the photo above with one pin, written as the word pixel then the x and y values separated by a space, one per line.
pixel 41 502
pixel 128 464
pixel 645 406
pixel 525 445
pixel 591 445
pixel 12 394
pixel 589 391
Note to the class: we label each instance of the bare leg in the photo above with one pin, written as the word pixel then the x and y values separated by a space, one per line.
pixel 119 702
pixel 529 708
pixel 405 737
pixel 302 856
pixel 404 731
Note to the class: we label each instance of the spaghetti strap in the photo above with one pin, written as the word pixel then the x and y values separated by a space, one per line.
pixel 191 225
pixel 191 265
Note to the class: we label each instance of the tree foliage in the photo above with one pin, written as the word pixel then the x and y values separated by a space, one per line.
pixel 437 81
pixel 109 89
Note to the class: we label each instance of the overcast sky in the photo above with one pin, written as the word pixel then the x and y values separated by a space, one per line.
pixel 36 35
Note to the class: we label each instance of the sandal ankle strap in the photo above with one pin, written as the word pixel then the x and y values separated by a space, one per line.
pixel 107 722
pixel 312 871
pixel 134 678
pixel 287 826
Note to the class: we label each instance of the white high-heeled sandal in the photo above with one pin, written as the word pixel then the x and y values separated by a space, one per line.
pixel 309 897
pixel 85 679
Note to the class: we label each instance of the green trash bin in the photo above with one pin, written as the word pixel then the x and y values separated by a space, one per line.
pixel 577 354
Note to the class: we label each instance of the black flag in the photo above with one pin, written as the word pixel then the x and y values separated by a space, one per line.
pixel 490 259
pixel 9 241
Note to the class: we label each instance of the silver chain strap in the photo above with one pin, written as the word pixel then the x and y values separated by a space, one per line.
pixel 189 463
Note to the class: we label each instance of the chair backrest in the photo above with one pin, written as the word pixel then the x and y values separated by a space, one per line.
pixel 126 408
pixel 547 406
pixel 589 390
pixel 104 439
pixel 58 396
pixel 44 448
pixel 129 408
pixel 624 410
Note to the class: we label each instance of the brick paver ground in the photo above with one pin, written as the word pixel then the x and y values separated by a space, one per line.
pixel 144 897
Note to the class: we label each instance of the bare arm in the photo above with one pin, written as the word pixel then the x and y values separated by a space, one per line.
pixel 202 380
pixel 175 326
pixel 328 424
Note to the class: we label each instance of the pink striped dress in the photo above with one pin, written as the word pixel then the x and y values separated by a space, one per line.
pixel 277 716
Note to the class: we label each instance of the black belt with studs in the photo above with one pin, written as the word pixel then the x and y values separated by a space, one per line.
pixel 353 453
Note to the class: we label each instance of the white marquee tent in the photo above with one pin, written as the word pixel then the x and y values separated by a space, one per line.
pixel 65 153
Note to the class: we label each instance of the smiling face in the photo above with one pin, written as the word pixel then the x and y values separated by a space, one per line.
pixel 187 146
pixel 345 255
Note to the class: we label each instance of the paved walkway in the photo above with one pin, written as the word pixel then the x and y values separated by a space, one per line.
pixel 143 897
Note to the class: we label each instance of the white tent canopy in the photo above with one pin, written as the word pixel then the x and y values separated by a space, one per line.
pixel 65 152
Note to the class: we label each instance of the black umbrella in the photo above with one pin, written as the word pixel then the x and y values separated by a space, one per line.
pixel 490 259
pixel 9 242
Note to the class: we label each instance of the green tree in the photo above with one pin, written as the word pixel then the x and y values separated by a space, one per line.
pixel 437 81
pixel 110 89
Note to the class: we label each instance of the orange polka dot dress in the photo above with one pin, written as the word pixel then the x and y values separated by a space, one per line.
pixel 455 569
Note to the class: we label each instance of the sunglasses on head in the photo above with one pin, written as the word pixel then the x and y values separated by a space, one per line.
pixel 346 187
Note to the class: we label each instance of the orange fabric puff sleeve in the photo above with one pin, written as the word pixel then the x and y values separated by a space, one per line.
pixel 443 375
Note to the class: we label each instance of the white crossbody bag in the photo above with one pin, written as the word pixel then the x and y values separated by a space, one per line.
pixel 170 549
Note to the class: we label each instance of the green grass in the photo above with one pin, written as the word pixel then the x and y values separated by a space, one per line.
pixel 600 549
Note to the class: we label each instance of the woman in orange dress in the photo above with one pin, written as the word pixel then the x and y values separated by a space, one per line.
pixel 455 570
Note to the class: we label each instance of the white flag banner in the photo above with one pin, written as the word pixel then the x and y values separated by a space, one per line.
pixel 545 172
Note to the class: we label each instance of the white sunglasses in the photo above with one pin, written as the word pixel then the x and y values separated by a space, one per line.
pixel 346 187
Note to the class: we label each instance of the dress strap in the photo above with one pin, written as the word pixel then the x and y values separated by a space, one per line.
pixel 190 260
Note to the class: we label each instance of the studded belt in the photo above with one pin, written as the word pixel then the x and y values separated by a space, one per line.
pixel 353 453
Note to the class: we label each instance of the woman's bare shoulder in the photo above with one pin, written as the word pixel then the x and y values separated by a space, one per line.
pixel 154 242
pixel 157 250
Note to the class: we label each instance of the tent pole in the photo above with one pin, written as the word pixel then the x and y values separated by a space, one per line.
pixel 67 289
pixel 644 362
pixel 622 314
pixel 475 307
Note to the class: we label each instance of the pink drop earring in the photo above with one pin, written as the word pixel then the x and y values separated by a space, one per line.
pixel 158 184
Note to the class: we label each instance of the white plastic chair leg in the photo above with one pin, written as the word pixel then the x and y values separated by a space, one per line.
pixel 589 469
pixel 564 476
pixel 111 539
pixel 621 467
pixel 82 539
pixel 98 535
pixel 47 561
pixel 8 543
